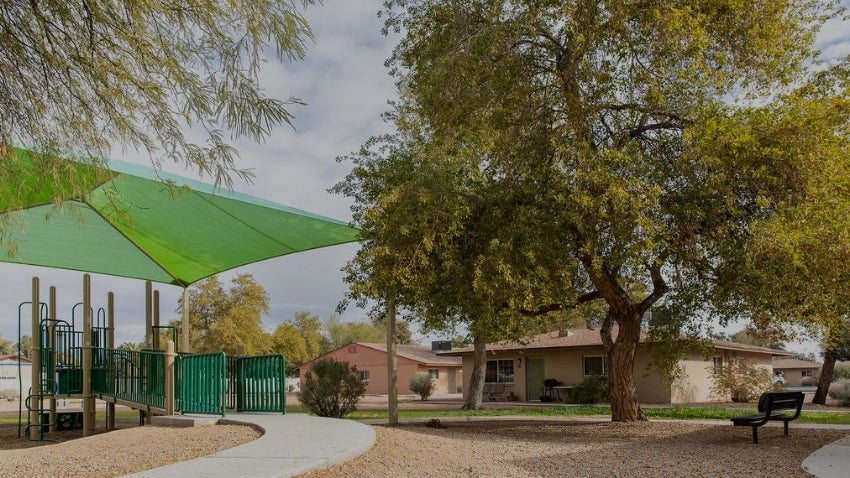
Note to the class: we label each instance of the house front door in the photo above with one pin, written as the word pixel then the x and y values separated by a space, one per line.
pixel 533 378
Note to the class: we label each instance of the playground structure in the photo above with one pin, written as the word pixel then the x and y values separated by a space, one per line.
pixel 84 364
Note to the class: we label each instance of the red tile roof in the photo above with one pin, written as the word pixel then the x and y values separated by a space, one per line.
pixel 417 353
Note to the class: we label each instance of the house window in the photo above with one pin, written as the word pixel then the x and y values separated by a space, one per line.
pixel 718 363
pixel 434 373
pixel 595 365
pixel 806 373
pixel 364 375
pixel 499 371
pixel 352 349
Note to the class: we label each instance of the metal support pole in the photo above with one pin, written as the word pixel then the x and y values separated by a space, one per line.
pixel 155 329
pixel 35 356
pixel 53 357
pixel 88 399
pixel 148 315
pixel 184 323
pixel 169 377
pixel 110 344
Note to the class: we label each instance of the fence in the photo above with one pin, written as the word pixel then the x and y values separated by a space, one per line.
pixel 201 383
pixel 131 375
pixel 260 383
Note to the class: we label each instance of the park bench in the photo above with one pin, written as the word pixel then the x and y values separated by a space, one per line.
pixel 772 406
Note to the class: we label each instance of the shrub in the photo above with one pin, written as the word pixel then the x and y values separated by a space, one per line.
pixel 331 388
pixel 593 389
pixel 841 372
pixel 840 391
pixel 421 384
pixel 808 382
pixel 741 380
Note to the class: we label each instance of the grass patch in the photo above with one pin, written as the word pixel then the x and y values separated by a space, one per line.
pixel 596 411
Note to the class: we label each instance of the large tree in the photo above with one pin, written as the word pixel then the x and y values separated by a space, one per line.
pixel 225 320
pixel 175 80
pixel 616 151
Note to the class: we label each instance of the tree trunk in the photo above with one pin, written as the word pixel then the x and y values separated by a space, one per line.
pixel 621 380
pixel 829 358
pixel 476 380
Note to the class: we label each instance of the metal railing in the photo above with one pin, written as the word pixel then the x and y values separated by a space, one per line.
pixel 201 383
pixel 131 375
pixel 260 383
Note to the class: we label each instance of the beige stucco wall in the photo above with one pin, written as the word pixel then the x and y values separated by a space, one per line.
pixel 566 365
pixel 695 384
pixel 375 361
pixel 794 376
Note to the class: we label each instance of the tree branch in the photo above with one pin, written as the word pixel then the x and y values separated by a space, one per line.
pixel 582 299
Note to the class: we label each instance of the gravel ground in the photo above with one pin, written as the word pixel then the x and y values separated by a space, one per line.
pixel 127 450
pixel 583 449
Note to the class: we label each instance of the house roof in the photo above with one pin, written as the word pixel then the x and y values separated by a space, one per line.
pixel 795 364
pixel 584 337
pixel 14 357
pixel 418 353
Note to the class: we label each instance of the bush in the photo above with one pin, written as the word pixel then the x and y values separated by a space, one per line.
pixel 331 388
pixel 421 384
pixel 840 391
pixel 808 382
pixel 593 389
pixel 741 380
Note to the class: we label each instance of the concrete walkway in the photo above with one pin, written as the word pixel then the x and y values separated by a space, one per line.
pixel 291 444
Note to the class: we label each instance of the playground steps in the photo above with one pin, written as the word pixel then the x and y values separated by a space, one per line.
pixel 183 420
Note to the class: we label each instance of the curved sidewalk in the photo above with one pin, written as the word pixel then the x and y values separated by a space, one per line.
pixel 291 444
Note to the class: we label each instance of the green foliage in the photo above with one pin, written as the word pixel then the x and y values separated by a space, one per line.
pixel 593 389
pixel 598 151
pixel 421 384
pixel 299 340
pixel 221 320
pixel 840 391
pixel 340 333
pixel 23 347
pixel 140 74
pixel 331 388
pixel 741 380
pixel 838 373
pixel 5 346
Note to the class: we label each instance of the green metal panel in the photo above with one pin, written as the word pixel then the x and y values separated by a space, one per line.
pixel 135 376
pixel 261 383
pixel 202 383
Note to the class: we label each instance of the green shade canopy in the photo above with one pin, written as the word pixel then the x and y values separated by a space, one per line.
pixel 132 221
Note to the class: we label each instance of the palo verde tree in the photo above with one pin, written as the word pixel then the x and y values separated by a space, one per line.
pixel 86 78
pixel 617 151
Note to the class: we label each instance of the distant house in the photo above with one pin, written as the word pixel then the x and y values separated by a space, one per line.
pixel 371 362
pixel 10 387
pixel 793 371
pixel 570 356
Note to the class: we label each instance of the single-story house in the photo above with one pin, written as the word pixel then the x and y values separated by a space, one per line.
pixel 371 362
pixel 793 371
pixel 570 356
pixel 10 386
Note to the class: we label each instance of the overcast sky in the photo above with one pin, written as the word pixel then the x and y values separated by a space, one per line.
pixel 346 87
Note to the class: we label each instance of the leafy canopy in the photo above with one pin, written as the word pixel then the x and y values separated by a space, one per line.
pixel 177 80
